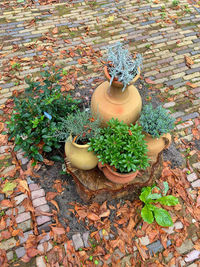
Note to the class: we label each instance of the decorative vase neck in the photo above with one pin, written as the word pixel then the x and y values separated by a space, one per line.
pixel 115 93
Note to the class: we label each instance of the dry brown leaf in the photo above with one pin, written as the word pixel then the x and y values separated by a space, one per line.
pixel 93 216
pixel 188 61
pixel 6 203
pixel 58 230
pixel 51 195
pixel 55 30
pixel 55 204
pixel 191 84
pixel 142 252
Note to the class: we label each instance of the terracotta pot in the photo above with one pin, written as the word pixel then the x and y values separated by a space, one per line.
pixel 110 102
pixel 116 177
pixel 156 145
pixel 79 156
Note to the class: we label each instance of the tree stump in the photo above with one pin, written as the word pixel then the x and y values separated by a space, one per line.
pixel 92 185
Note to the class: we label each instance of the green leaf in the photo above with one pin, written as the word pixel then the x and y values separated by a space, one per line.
pixel 154 196
pixel 8 187
pixel 166 187
pixel 162 217
pixel 47 148
pixel 146 191
pixel 147 214
pixel 57 158
pixel 168 200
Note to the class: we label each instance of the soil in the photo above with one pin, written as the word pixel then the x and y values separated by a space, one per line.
pixel 48 174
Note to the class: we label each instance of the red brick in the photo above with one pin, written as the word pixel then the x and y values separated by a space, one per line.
pixel 44 208
pixel 37 193
pixel 39 201
pixel 23 217
pixel 42 219
pixel 34 187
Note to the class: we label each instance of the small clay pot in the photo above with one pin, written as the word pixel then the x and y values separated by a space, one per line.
pixel 116 177
pixel 79 156
pixel 156 145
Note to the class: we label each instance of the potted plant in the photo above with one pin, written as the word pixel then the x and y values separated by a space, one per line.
pixel 121 151
pixel 156 124
pixel 76 130
pixel 117 97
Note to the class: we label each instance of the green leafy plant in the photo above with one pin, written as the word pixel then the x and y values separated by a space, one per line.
pixel 37 115
pixel 149 211
pixel 80 126
pixel 175 3
pixel 121 146
pixel 156 122
pixel 122 65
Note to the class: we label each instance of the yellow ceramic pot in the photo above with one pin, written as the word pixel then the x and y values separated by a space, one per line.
pixel 79 156
pixel 110 102
pixel 156 145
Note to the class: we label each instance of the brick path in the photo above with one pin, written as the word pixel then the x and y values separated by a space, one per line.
pixel 38 37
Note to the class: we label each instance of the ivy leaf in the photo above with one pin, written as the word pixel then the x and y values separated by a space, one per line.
pixel 168 200
pixel 166 188
pixel 147 214
pixel 163 218
pixel 8 188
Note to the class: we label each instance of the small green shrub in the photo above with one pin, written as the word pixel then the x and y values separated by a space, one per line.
pixel 80 125
pixel 175 3
pixel 149 211
pixel 121 146
pixel 156 121
pixel 122 65
pixel 36 116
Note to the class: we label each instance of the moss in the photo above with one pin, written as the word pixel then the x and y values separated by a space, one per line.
pixel 62 10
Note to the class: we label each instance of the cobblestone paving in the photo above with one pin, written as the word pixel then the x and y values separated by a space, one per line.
pixel 73 36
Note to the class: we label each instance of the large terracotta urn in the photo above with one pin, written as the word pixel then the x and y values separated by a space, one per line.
pixel 156 145
pixel 110 102
pixel 79 156
pixel 116 177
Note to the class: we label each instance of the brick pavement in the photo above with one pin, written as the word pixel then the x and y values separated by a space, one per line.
pixel 39 36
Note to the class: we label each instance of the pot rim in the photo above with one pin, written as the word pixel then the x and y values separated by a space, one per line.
pixel 75 144
pixel 119 174
pixel 120 84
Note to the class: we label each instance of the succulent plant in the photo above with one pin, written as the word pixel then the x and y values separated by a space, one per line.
pixel 121 146
pixel 156 121
pixel 122 65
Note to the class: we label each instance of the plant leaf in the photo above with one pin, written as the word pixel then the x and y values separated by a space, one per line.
pixel 8 187
pixel 147 214
pixel 154 196
pixel 166 187
pixel 146 191
pixel 162 217
pixel 168 200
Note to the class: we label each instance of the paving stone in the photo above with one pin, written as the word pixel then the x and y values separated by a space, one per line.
pixel 8 169
pixel 169 105
pixel 34 187
pixel 39 202
pixel 177 114
pixel 25 237
pixel 190 116
pixel 102 235
pixel 14 211
pixel 29 181
pixel 193 255
pixel 40 247
pixel 40 262
pixel 9 255
pixel 186 245
pixel 44 208
pixel 23 217
pixel 25 226
pixel 20 198
pixel 192 177
pixel 196 165
pixel 20 252
pixel 85 239
pixel 144 240
pixel 45 238
pixel 42 219
pixel 157 246
pixel 196 183
pixel 37 193
pixel 8 244
pixel 44 228
pixel 77 241
pixel 1 197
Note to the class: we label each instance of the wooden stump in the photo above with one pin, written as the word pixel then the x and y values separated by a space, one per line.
pixel 92 185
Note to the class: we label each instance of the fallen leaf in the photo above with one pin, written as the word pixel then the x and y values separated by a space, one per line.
pixel 188 61
pixel 55 30
pixel 58 230
pixel 191 84
pixel 9 187
pixel 6 203
pixel 149 81
pixel 93 216
pixel 55 204
pixel 51 195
